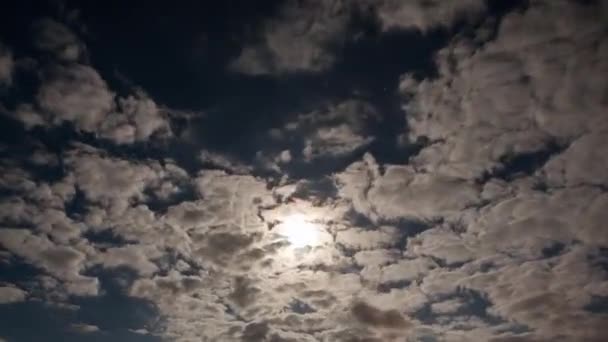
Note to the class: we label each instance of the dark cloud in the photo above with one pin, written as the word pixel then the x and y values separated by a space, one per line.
pixel 255 332
pixel 299 39
pixel 370 315
pixel 6 66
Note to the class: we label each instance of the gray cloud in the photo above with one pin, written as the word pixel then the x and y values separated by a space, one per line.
pixel 6 66
pixel 63 262
pixel 11 294
pixel 515 94
pixel 84 328
pixel 76 93
pixel 55 38
pixel 370 315
pixel 306 36
pixel 425 15
pixel 299 39
pixel 494 228
pixel 337 131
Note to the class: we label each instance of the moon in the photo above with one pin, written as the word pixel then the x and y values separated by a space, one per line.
pixel 299 232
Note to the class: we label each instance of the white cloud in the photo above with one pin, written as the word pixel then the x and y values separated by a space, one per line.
pixel 63 262
pixel 513 95
pixel 76 93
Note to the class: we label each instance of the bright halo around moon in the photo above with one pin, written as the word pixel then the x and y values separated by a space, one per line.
pixel 299 231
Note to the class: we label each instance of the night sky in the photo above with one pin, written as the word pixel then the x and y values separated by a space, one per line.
pixel 306 170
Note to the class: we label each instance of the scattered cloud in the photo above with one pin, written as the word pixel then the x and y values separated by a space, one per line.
pixel 300 38
pixel 425 15
pixel 79 95
pixel 457 243
pixel 337 131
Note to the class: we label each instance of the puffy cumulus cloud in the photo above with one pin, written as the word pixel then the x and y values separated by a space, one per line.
pixel 582 163
pixel 57 39
pixel 406 270
pixel 455 245
pixel 443 244
pixel 306 36
pixel 549 297
pixel 537 220
pixel 115 183
pixel 137 257
pixel 361 239
pixel 399 192
pixel 65 262
pixel 527 240
pixel 232 199
pixel 337 131
pixel 166 287
pixel 424 15
pixel 76 93
pixel 402 192
pixel 11 294
pixel 300 38
pixel 6 65
pixel 513 95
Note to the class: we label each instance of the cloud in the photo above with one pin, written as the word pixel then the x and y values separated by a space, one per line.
pixel 57 39
pixel 6 66
pixel 513 95
pixel 426 15
pixel 402 247
pixel 11 294
pixel 402 192
pixel 494 226
pixel 136 257
pixel 73 91
pixel 307 36
pixel 79 95
pixel 337 131
pixel 372 316
pixel 63 262
pixel 255 332
pixel 82 328
pixel 300 38
pixel 222 162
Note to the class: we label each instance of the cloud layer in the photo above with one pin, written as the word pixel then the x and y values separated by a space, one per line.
pixel 492 230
